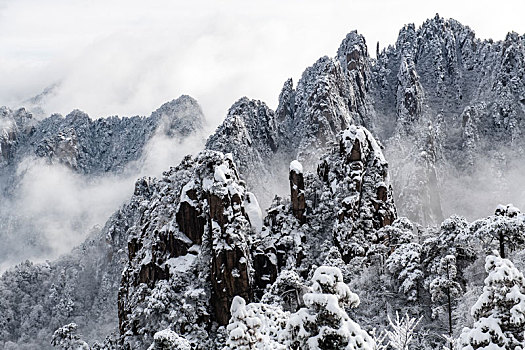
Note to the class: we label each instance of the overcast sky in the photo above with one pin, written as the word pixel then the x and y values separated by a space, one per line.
pixel 128 57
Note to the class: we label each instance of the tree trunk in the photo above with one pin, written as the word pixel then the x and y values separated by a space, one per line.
pixel 501 246
pixel 449 312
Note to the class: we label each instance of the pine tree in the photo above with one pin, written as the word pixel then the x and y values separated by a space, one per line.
pixel 324 323
pixel 506 227
pixel 244 327
pixel 66 338
pixel 444 287
pixel 405 265
pixel 402 331
pixel 499 313
pixel 255 326
pixel 169 340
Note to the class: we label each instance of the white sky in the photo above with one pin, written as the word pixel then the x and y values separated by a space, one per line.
pixel 128 57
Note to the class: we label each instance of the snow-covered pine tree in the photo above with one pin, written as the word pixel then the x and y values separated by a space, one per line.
pixel 444 287
pixel 169 340
pixel 66 338
pixel 453 238
pixel 401 231
pixel 255 326
pixel 506 227
pixel 324 323
pixel 243 329
pixel 402 331
pixel 405 265
pixel 499 312
pixel 287 291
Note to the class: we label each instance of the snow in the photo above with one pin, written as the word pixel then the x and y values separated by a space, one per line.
pixel 330 91
pixel 167 339
pixel 182 263
pixel 207 183
pixel 184 196
pixel 296 167
pixel 220 173
pixel 254 212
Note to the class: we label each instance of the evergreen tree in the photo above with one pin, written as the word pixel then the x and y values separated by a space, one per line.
pixel 66 338
pixel 402 331
pixel 324 323
pixel 255 326
pixel 444 287
pixel 405 265
pixel 244 328
pixel 499 313
pixel 169 340
pixel 506 227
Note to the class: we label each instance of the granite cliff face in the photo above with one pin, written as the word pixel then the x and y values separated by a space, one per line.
pixel 190 246
pixel 197 232
pixel 457 99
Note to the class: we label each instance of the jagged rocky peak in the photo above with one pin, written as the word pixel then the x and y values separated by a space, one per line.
pixel 94 146
pixel 354 58
pixel 286 102
pixel 357 175
pixel 324 104
pixel 407 40
pixel 248 123
pixel 14 127
pixel 249 133
pixel 181 117
pixel 78 117
pixel 192 234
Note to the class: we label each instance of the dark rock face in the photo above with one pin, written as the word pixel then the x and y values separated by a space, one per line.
pixel 193 235
pixel 229 277
pixel 190 219
pixel 230 254
pixel 297 194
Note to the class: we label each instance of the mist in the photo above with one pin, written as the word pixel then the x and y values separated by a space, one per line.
pixel 477 193
pixel 54 208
